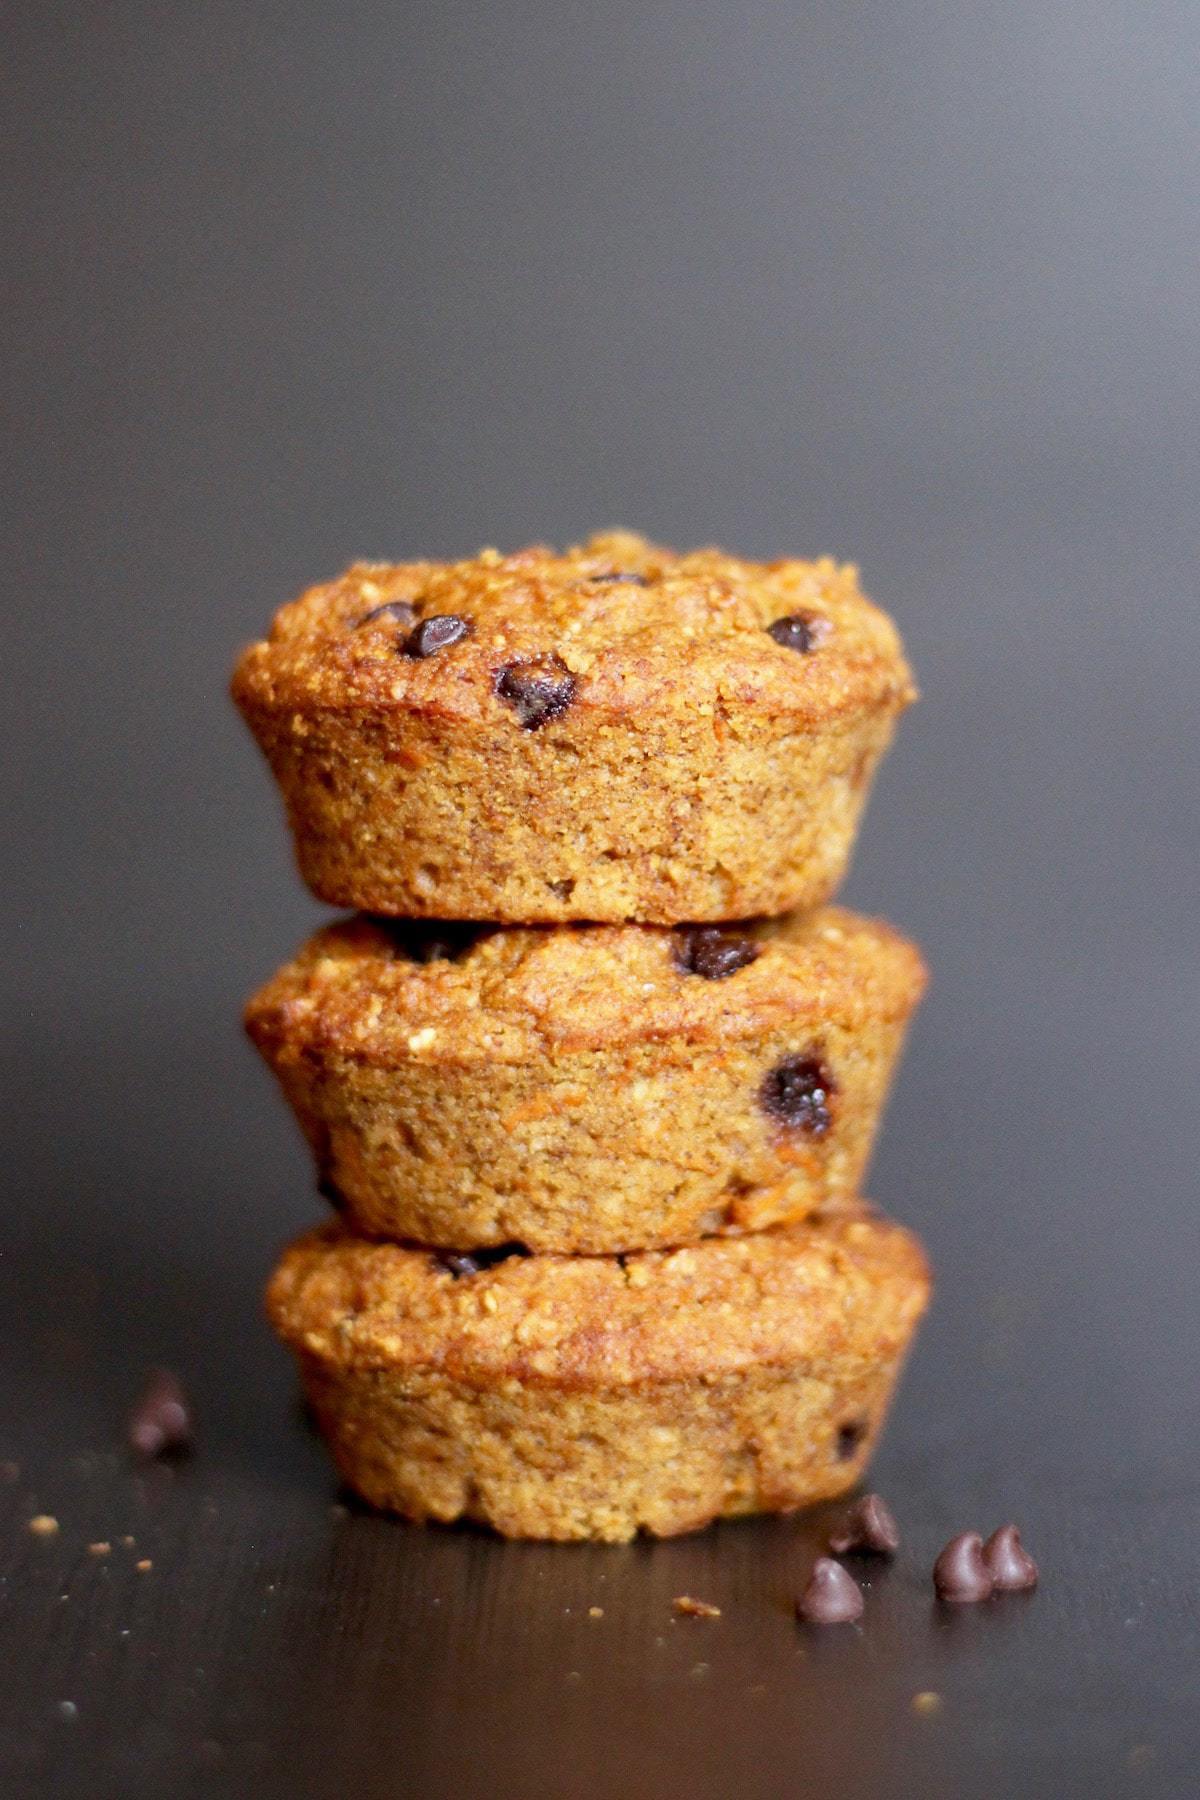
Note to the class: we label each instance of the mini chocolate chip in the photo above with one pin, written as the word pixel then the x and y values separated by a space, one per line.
pixel 868 1528
pixel 434 634
pixel 832 1596
pixel 457 1265
pixel 486 1257
pixel 960 1573
pixel 538 688
pixel 162 1419
pixel 403 611
pixel 795 632
pixel 797 1093
pixel 1009 1564
pixel 707 950
pixel 441 940
pixel 849 1437
pixel 623 575
pixel 328 1190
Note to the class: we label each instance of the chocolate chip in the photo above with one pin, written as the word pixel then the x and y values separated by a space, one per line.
pixel 869 1529
pixel 623 575
pixel 797 1093
pixel 960 1573
pixel 832 1597
pixel 1009 1564
pixel 849 1437
pixel 403 611
pixel 457 1265
pixel 538 688
pixel 162 1419
pixel 434 634
pixel 486 1257
pixel 795 632
pixel 328 1190
pixel 441 940
pixel 707 950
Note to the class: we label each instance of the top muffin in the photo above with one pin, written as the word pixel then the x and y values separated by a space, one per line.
pixel 613 733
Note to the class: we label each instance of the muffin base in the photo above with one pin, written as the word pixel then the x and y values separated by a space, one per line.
pixel 403 813
pixel 598 1153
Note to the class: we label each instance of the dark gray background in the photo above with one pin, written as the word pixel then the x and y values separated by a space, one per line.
pixel 915 283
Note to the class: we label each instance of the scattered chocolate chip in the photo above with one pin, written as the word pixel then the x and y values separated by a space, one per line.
pixel 795 632
pixel 403 611
pixel 628 575
pixel 1009 1564
pixel 849 1437
pixel 832 1597
pixel 869 1528
pixel 715 954
pixel 434 634
pixel 463 1263
pixel 162 1419
pixel 695 1609
pixel 797 1093
pixel 538 688
pixel 430 941
pixel 960 1573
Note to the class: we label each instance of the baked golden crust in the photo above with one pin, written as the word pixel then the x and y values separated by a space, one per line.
pixel 591 1396
pixel 584 1088
pixel 613 733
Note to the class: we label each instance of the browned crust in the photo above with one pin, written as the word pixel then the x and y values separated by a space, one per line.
pixel 848 1287
pixel 523 993
pixel 694 637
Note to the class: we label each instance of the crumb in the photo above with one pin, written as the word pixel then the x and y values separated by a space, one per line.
pixel 10 1472
pixel 926 1703
pixel 43 1525
pixel 100 1549
pixel 144 1567
pixel 129 1542
pixel 695 1609
pixel 595 1612
pixel 68 1710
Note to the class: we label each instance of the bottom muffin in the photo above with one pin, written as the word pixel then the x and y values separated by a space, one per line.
pixel 595 1397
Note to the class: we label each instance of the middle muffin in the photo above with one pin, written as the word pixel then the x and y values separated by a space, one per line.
pixel 593 1088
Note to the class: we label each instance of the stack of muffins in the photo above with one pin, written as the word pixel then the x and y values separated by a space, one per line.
pixel 592 1078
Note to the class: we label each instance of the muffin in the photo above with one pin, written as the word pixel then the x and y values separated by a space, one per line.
pixel 595 1397
pixel 616 733
pixel 588 1088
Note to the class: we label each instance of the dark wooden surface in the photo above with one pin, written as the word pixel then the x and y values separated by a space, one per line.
pixel 283 1645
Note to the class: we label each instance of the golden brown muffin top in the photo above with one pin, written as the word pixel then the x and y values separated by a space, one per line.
pixel 392 993
pixel 850 1283
pixel 609 628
